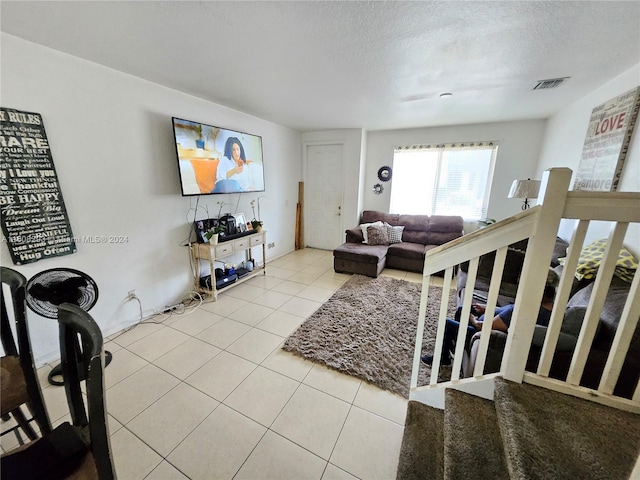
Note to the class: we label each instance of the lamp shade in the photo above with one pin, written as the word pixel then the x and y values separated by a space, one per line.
pixel 524 189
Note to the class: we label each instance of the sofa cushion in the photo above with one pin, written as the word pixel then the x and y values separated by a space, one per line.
pixel 565 343
pixel 415 222
pixel 446 223
pixel 377 235
pixel 440 238
pixel 569 330
pixel 515 260
pixel 361 252
pixel 415 236
pixel 572 322
pixel 416 228
pixel 354 235
pixel 611 310
pixel 370 216
pixel 407 250
pixel 512 265
pixel 559 249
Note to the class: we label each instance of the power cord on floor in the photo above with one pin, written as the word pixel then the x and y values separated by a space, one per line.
pixel 187 307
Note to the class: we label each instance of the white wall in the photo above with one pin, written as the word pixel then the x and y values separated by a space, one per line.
pixel 564 139
pixel 518 153
pixel 112 145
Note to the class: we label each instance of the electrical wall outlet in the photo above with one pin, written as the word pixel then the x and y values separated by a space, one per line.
pixel 131 295
pixel 271 245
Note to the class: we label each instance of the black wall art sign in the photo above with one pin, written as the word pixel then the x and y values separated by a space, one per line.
pixel 34 219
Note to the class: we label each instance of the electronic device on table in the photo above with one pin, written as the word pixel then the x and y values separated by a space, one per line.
pixel 201 227
pixel 228 222
pixel 223 277
pixel 241 272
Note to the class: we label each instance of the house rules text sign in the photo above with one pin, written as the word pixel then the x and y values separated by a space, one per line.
pixel 34 219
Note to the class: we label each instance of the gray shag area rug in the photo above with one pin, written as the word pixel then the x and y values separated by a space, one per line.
pixel 367 329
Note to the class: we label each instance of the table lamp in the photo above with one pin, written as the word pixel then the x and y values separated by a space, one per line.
pixel 525 189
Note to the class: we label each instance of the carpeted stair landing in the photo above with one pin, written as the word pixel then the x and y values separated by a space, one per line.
pixel 527 432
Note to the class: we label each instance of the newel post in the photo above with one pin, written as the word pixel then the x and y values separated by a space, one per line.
pixel 553 194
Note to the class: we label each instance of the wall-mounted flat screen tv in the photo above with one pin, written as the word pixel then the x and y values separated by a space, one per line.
pixel 215 160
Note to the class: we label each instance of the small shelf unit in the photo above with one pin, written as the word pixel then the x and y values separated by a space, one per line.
pixel 218 251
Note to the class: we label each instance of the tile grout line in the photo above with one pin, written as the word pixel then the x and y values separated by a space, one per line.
pixel 261 364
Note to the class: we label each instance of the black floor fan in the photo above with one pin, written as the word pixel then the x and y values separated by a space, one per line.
pixel 49 288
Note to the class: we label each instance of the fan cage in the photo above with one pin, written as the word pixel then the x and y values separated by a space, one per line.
pixel 47 289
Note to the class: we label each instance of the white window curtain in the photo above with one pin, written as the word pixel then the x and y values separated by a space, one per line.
pixel 443 179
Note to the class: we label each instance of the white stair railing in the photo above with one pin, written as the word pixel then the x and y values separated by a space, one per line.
pixel 540 226
pixel 620 209
pixel 495 238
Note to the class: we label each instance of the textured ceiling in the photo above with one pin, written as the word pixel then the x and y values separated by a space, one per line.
pixel 375 65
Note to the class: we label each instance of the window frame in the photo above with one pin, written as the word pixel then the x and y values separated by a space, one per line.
pixel 442 150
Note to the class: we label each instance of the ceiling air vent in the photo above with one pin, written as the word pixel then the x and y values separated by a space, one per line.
pixel 549 83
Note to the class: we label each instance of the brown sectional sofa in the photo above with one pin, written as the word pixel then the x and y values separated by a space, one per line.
pixel 421 233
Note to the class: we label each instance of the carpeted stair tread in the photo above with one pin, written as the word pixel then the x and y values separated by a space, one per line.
pixel 421 453
pixel 550 435
pixel 472 443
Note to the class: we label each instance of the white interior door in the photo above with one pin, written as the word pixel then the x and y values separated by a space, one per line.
pixel 323 197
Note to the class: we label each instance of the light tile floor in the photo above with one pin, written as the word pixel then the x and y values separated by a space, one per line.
pixel 212 395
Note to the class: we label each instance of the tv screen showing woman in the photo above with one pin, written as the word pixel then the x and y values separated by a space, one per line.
pixel 215 160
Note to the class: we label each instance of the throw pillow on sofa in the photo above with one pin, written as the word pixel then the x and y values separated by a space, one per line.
pixel 377 235
pixel 364 227
pixel 395 233
pixel 591 257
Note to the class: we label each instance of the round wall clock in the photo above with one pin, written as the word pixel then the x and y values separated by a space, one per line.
pixel 384 174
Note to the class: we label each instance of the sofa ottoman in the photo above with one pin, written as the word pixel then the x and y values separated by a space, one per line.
pixel 361 259
pixel 407 256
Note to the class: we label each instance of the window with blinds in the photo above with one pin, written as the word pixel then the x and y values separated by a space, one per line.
pixel 443 179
